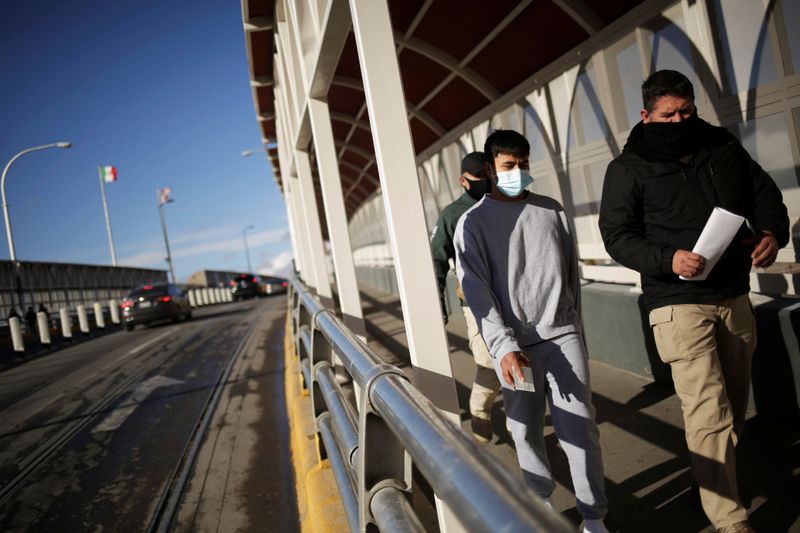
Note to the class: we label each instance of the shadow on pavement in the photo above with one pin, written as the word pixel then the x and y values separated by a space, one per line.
pixel 657 496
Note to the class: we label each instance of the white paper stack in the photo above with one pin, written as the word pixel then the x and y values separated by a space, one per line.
pixel 717 234
pixel 525 384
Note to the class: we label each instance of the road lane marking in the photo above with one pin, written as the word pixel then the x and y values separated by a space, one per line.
pixel 114 420
pixel 148 343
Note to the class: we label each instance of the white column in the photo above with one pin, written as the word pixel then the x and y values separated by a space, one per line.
pixel 66 323
pixel 405 215
pixel 99 319
pixel 83 319
pixel 292 184
pixel 336 216
pixel 402 200
pixel 15 326
pixel 313 229
pixel 294 225
pixel 113 309
pixel 44 327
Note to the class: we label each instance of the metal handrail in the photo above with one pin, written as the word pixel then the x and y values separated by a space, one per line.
pixel 477 488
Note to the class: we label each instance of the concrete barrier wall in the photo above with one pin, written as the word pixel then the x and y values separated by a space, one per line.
pixel 59 285
pixel 617 333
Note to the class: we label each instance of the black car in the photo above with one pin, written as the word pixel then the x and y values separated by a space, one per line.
pixel 246 286
pixel 151 303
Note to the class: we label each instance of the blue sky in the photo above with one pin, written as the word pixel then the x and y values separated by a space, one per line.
pixel 159 89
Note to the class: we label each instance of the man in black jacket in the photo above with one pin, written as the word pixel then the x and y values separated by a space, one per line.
pixel 486 386
pixel 657 197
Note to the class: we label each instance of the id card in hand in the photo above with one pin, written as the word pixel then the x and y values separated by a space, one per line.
pixel 525 384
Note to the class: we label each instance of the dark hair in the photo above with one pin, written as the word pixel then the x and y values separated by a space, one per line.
pixel 505 142
pixel 663 83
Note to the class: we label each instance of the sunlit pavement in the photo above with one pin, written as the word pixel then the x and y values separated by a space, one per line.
pixel 646 460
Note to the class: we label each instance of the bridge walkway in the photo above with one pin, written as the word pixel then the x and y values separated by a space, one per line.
pixel 646 460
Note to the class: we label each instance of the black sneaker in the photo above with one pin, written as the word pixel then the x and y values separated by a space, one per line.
pixel 481 429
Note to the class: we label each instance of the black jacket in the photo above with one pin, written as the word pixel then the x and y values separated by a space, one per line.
pixel 442 242
pixel 652 206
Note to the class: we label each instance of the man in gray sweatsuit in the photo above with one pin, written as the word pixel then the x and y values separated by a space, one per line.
pixel 516 261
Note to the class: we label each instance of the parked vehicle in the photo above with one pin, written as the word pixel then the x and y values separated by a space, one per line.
pixel 246 286
pixel 274 285
pixel 151 303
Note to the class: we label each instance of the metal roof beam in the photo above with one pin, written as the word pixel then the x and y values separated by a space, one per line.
pixel 336 24
pixel 347 119
pixel 355 149
pixel 413 111
pixel 254 24
pixel 361 171
pixel 262 81
pixel 581 13
pixel 448 62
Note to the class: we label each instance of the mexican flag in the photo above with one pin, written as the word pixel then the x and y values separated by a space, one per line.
pixel 108 173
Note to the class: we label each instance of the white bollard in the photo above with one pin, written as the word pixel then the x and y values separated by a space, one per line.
pixel 44 327
pixel 99 319
pixel 206 299
pixel 198 293
pixel 228 295
pixel 83 319
pixel 192 299
pixel 16 334
pixel 215 295
pixel 211 298
pixel 113 309
pixel 66 323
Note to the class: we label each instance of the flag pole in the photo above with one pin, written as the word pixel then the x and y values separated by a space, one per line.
pixel 164 230
pixel 108 217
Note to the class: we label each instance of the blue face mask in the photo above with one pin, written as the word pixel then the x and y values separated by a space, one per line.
pixel 513 182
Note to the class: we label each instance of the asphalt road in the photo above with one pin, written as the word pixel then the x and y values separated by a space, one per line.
pixel 91 435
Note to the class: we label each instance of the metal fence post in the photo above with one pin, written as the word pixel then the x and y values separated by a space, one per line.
pixel 382 460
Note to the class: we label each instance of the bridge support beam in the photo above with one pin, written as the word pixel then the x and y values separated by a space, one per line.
pixel 402 200
pixel 336 217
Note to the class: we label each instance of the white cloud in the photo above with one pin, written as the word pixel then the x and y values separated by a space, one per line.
pixel 145 259
pixel 280 265
pixel 205 242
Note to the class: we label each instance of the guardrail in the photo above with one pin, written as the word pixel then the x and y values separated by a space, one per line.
pixel 370 440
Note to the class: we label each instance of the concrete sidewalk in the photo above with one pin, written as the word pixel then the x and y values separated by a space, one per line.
pixel 641 430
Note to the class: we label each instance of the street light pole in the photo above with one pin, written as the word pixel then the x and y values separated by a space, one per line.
pixel 9 233
pixel 161 205
pixel 246 249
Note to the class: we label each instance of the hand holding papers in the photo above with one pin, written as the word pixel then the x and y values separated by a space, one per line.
pixel 717 234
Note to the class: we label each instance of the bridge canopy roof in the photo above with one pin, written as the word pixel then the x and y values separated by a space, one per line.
pixel 457 59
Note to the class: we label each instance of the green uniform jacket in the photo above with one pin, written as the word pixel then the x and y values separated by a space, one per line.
pixel 442 241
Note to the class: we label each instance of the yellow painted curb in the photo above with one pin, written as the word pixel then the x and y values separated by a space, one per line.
pixel 325 509
pixel 319 504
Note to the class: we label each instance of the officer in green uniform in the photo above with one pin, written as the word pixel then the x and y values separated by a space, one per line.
pixel 486 386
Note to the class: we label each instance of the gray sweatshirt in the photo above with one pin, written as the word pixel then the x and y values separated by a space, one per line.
pixel 518 268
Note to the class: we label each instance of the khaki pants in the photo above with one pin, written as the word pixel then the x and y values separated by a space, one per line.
pixel 486 385
pixel 709 348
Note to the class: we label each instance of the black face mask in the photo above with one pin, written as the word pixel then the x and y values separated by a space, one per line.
pixel 478 188
pixel 674 139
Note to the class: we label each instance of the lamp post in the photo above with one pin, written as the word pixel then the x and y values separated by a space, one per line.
pixel 246 249
pixel 164 199
pixel 9 233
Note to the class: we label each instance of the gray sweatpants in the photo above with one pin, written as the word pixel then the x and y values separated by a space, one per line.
pixel 561 374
